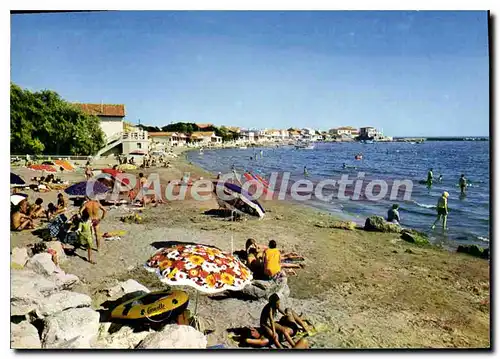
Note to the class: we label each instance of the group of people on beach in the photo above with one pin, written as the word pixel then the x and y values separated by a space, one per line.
pixel 23 215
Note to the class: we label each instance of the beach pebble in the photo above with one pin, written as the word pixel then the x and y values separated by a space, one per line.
pixel 60 301
pixel 19 257
pixel 175 337
pixel 72 328
pixel 24 336
pixel 42 263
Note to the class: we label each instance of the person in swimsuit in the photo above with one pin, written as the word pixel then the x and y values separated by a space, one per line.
pixel 37 210
pixel 270 327
pixel 442 210
pixel 19 220
pixel 462 183
pixel 93 207
pixel 85 234
pixel 61 203
pixel 88 171
pixel 272 260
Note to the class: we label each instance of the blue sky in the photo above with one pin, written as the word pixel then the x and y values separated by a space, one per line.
pixel 409 73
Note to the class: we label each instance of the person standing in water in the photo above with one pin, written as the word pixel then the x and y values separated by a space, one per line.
pixel 442 210
pixel 462 183
pixel 440 179
pixel 430 177
pixel 305 171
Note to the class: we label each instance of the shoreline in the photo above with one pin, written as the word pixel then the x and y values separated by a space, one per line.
pixel 367 289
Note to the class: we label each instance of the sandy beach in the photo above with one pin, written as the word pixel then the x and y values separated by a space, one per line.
pixel 364 289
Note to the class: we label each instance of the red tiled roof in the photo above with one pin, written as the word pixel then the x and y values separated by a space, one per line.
pixel 102 109
pixel 160 134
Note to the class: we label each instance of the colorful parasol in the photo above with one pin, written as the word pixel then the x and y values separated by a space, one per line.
pixel 15 179
pixel 65 164
pixel 204 268
pixel 80 189
pixel 47 168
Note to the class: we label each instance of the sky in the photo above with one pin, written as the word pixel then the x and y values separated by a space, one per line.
pixel 409 73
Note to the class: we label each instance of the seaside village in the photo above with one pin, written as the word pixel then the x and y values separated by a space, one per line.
pixel 134 271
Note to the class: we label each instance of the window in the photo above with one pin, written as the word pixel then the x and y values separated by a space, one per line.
pixel 139 145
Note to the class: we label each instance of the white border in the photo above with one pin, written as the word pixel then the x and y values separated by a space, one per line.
pixel 200 4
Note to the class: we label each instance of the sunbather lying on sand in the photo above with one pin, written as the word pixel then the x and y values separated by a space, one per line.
pixel 257 339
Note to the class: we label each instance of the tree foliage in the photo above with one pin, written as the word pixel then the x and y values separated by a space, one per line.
pixel 184 127
pixel 43 123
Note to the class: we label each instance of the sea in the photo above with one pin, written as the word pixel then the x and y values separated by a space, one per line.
pixel 469 215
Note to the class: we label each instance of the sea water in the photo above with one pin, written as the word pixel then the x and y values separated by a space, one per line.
pixel 469 216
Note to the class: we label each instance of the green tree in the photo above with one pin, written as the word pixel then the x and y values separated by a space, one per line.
pixel 43 123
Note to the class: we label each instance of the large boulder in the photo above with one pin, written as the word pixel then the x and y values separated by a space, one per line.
pixel 175 337
pixel 27 289
pixel 19 257
pixel 131 286
pixel 65 280
pixel 72 328
pixel 24 336
pixel 60 301
pixel 379 224
pixel 57 246
pixel 42 263
pixel 262 289
pixel 474 250
pixel 124 338
pixel 414 236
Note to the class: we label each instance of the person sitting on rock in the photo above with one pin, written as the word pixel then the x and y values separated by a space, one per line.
pixel 393 214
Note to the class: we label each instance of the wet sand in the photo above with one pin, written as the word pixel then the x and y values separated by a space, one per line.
pixel 365 290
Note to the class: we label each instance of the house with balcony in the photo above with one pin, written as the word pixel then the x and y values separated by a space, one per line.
pixel 162 140
pixel 111 116
pixel 247 136
pixel 204 138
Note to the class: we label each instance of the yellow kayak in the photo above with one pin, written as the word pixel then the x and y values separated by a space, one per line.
pixel 154 306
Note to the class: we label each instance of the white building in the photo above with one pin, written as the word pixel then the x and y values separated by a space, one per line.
pixel 162 140
pixel 204 138
pixel 111 117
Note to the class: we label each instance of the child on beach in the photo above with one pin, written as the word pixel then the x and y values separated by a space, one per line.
pixel 85 234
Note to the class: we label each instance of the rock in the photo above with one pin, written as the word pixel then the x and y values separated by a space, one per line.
pixel 24 336
pixel 57 246
pixel 72 328
pixel 19 257
pixel 416 237
pixel 60 301
pixel 174 337
pixel 348 225
pixel 65 281
pixel 131 286
pixel 42 263
pixel 474 250
pixel 379 224
pixel 262 289
pixel 124 338
pixel 27 290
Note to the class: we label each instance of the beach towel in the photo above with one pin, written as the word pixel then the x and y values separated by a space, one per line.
pixel 115 238
pixel 114 234
pixel 56 225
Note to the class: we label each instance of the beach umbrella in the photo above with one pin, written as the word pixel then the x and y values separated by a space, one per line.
pixel 42 167
pixel 117 175
pixel 65 164
pixel 241 200
pixel 49 163
pixel 15 199
pixel 207 269
pixel 15 179
pixel 80 189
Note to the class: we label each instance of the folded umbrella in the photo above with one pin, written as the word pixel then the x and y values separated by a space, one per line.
pixel 15 179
